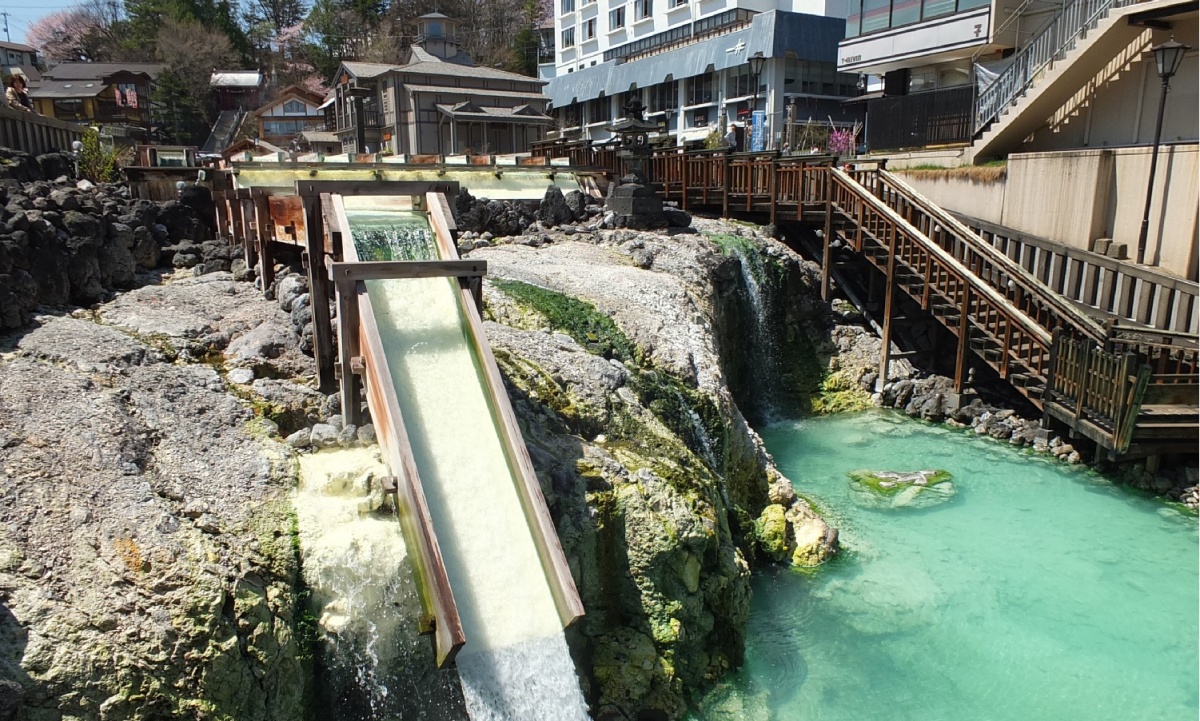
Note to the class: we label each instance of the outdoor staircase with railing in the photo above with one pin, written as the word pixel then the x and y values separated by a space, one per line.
pixel 1132 391
pixel 223 131
pixel 1043 75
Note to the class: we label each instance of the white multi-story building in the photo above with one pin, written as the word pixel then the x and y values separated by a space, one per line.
pixel 690 64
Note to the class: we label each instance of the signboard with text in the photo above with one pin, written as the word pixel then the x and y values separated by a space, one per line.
pixel 758 131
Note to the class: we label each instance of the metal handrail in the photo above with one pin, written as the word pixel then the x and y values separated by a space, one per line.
pixel 1059 38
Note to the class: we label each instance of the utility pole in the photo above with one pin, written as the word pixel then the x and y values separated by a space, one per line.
pixel 6 35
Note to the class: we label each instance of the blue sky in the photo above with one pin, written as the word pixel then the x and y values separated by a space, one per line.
pixel 24 12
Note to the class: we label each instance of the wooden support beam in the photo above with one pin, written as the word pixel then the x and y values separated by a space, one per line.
pixel 318 285
pixel 349 349
pixel 827 254
pixel 266 235
pixel 885 347
pixel 392 269
pixel 960 360
pixel 375 187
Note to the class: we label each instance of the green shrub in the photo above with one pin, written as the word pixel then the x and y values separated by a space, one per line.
pixel 97 163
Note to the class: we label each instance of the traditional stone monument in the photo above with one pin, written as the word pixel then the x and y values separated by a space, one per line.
pixel 631 199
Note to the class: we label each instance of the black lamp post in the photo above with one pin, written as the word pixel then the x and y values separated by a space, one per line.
pixel 1167 57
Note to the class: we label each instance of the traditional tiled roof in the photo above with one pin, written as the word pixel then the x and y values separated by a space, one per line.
pixel 236 79
pixel 519 114
pixel 474 91
pixel 64 89
pixel 99 71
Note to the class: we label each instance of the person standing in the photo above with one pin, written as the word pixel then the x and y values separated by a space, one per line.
pixel 731 138
pixel 17 96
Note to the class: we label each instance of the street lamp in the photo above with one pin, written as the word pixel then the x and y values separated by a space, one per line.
pixel 757 61
pixel 1167 57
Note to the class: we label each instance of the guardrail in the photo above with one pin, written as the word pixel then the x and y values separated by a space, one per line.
pixel 1124 292
pixel 1059 38
pixel 35 133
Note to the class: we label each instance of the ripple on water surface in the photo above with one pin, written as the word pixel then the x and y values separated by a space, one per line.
pixel 1040 591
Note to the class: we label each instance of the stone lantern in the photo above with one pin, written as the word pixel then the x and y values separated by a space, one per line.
pixel 632 199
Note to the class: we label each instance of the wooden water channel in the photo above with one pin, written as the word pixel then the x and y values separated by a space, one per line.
pixel 311 219
pixel 1133 390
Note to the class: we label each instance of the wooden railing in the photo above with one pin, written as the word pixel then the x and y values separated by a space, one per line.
pixel 1011 341
pixel 1000 311
pixel 36 134
pixel 1126 292
pixel 1101 388
pixel 1007 277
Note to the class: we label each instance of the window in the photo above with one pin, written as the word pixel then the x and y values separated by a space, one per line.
pixel 876 14
pixel 739 85
pixel 934 8
pixel 699 89
pixel 662 97
pixel 922 79
pixel 568 37
pixel 589 30
pixel 127 94
pixel 678 3
pixel 905 12
pixel 616 18
pixel 817 78
pixel 283 127
pixel 854 18
pixel 568 6
pixel 293 107
pixel 68 108
pixel 599 110
pixel 643 9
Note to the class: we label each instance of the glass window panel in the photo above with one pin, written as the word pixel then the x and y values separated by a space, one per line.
pixel 876 15
pixel 934 8
pixel 969 4
pixel 854 18
pixel 905 12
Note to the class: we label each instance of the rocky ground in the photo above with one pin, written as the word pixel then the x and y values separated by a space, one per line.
pixel 148 567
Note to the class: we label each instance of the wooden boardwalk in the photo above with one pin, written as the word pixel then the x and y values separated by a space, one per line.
pixel 1132 391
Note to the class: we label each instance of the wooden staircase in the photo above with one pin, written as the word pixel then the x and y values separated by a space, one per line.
pixel 1139 392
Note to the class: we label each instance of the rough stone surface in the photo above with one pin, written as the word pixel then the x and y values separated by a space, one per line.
pixel 161 584
pixel 60 244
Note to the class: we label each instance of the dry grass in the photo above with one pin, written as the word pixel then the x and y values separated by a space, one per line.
pixel 989 173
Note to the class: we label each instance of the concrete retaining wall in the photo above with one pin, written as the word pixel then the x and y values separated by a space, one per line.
pixel 1075 197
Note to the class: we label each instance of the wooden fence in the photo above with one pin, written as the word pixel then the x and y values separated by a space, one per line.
pixel 36 134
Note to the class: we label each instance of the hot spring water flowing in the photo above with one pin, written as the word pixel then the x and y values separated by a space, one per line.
pixel 515 664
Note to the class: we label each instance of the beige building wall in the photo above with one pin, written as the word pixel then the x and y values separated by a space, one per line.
pixel 1075 197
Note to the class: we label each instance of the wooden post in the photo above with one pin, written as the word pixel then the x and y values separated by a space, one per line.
pixel 236 226
pixel 960 361
pixel 772 187
pixel 725 185
pixel 318 288
pixel 885 350
pixel 1048 391
pixel 348 348
pixel 266 234
pixel 827 256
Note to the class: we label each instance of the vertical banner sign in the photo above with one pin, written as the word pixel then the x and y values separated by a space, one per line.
pixel 758 131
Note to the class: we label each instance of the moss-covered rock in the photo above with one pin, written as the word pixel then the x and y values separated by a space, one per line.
pixel 892 489
pixel 771 531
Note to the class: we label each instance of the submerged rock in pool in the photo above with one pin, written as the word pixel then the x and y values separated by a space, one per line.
pixel 892 489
